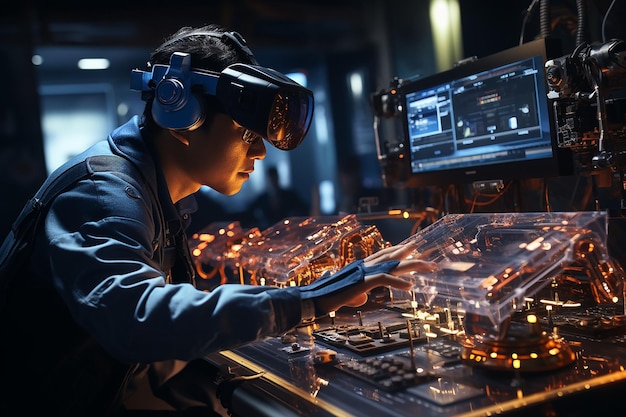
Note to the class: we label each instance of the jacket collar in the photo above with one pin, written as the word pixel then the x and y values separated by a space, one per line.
pixel 129 141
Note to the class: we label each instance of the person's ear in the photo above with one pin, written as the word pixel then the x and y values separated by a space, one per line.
pixel 180 136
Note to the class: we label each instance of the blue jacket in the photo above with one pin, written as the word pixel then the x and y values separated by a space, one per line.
pixel 101 276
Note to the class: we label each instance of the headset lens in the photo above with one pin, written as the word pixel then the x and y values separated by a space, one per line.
pixel 289 119
pixel 266 102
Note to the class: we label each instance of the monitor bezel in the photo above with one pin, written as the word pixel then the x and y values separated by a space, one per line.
pixel 558 164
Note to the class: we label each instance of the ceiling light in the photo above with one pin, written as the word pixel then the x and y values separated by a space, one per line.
pixel 93 63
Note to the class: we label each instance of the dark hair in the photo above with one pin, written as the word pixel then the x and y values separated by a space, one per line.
pixel 209 53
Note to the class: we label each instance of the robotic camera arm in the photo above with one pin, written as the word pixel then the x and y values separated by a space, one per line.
pixel 587 89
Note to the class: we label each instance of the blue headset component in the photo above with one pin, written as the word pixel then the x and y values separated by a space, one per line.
pixel 260 99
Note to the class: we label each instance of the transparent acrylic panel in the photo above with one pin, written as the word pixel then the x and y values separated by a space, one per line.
pixel 298 250
pixel 488 263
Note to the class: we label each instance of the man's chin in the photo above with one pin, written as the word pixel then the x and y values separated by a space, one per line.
pixel 231 191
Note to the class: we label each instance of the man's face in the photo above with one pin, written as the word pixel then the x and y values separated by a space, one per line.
pixel 218 157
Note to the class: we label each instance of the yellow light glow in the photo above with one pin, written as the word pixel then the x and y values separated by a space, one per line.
pixel 445 21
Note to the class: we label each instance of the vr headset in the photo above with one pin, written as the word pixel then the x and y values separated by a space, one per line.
pixel 260 99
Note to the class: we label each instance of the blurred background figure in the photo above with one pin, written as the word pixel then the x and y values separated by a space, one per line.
pixel 353 195
pixel 276 202
pixel 351 188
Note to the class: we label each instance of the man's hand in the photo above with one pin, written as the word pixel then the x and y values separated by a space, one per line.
pixel 356 295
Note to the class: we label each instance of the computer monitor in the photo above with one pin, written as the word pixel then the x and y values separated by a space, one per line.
pixel 488 119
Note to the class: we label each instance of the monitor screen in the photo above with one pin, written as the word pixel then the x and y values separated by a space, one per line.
pixel 487 119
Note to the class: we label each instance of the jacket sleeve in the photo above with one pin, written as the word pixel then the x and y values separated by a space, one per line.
pixel 101 242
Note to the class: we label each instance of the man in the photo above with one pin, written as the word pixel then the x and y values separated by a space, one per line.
pixel 106 303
